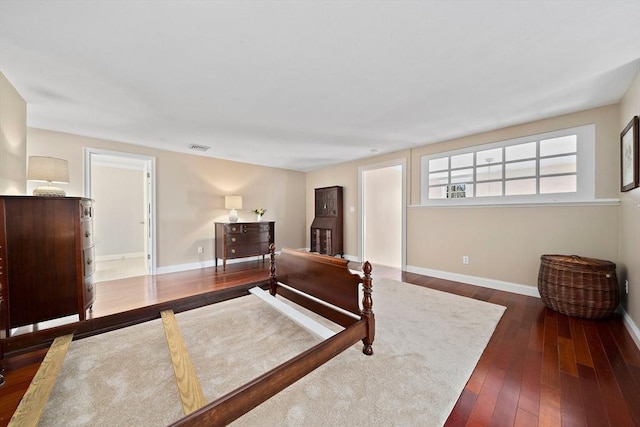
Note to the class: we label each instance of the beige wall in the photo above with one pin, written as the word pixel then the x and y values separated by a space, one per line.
pixel 13 139
pixel 629 259
pixel 503 243
pixel 190 193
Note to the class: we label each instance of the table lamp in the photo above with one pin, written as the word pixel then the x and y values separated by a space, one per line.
pixel 48 169
pixel 233 202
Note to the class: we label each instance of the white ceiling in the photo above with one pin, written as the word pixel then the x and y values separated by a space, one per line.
pixel 302 85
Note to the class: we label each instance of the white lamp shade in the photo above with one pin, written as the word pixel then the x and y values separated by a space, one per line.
pixel 48 169
pixel 233 202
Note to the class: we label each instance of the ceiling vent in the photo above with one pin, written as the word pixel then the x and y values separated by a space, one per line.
pixel 199 147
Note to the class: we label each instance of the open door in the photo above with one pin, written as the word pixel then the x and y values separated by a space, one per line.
pixel 122 185
pixel 383 213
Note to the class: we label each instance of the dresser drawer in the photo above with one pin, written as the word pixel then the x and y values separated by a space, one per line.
pixel 88 261
pixel 234 239
pixel 250 249
pixel 86 228
pixel 86 210
pixel 89 292
pixel 247 228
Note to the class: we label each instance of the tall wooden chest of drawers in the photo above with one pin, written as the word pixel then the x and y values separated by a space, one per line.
pixel 47 259
pixel 242 239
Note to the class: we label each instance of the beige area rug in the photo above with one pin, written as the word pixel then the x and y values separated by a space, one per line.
pixel 427 345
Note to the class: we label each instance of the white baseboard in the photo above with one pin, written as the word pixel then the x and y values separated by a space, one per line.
pixel 500 285
pixel 119 256
pixel 631 327
pixel 205 264
pixel 344 256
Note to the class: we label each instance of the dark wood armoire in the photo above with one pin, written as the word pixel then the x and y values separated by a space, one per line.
pixel 326 229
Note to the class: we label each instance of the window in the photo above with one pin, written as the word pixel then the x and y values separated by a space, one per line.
pixel 550 167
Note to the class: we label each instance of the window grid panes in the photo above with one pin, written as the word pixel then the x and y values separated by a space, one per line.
pixel 534 167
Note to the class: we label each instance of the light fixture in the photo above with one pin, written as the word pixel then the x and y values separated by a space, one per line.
pixel 233 202
pixel 48 169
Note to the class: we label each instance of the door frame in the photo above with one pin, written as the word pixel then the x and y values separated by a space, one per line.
pixel 149 168
pixel 402 162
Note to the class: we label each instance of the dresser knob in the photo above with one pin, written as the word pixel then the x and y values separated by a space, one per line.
pixel 87 234
pixel 89 261
pixel 233 239
pixel 233 251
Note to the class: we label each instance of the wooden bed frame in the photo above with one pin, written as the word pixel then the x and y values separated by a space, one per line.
pixel 320 283
pixel 322 277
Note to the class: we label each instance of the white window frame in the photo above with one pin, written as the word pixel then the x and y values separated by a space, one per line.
pixel 585 171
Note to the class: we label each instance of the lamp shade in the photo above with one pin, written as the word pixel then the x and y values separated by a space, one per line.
pixel 48 169
pixel 233 202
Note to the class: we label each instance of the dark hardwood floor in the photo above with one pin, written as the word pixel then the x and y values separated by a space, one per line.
pixel 540 367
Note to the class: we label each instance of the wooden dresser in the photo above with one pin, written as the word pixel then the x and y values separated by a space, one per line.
pixel 326 228
pixel 46 259
pixel 242 239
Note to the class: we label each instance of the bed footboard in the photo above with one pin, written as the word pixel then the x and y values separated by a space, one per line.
pixel 329 280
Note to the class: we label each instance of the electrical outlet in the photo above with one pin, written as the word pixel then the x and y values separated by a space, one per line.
pixel 200 249
pixel 465 259
pixel 626 287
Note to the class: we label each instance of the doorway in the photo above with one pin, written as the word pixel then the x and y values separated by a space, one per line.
pixel 123 187
pixel 383 212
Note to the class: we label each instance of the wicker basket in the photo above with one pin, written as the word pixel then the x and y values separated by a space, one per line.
pixel 577 286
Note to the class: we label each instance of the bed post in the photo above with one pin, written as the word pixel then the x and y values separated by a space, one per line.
pixel 367 312
pixel 273 281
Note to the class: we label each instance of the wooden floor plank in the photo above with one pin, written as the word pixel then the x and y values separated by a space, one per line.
pixel 35 399
pixel 507 404
pixel 567 357
pixel 549 414
pixel 594 407
pixel 564 328
pixel 525 419
pixel 536 338
pixel 571 405
pixel 580 346
pixel 485 404
pixel 189 387
pixel 550 366
pixel 529 399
